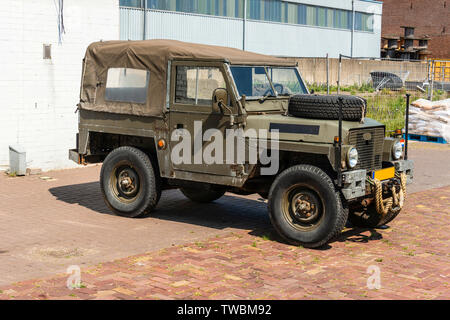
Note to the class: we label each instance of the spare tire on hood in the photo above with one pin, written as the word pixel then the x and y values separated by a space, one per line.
pixel 314 106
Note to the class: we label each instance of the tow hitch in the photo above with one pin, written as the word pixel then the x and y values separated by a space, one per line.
pixel 389 195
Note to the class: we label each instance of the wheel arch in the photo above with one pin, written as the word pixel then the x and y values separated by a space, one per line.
pixel 95 145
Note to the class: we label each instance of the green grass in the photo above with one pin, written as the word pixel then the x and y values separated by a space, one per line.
pixel 387 109
pixel 322 88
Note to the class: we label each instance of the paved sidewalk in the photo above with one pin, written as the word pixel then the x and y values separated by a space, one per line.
pixel 413 257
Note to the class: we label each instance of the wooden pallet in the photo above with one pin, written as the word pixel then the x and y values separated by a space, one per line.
pixel 423 138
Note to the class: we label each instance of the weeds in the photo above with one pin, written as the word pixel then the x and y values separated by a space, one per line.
pixel 199 244
pixel 266 237
pixel 12 174
pixel 386 106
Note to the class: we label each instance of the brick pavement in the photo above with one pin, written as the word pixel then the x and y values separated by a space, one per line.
pixel 47 225
pixel 412 256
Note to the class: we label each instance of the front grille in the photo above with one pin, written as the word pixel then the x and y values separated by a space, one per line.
pixel 369 143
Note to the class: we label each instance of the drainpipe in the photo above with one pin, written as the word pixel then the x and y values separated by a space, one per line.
pixel 145 20
pixel 244 22
pixel 353 27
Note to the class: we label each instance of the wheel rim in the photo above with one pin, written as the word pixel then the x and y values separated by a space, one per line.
pixel 125 182
pixel 302 208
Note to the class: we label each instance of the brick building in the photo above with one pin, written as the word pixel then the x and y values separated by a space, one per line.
pixel 430 17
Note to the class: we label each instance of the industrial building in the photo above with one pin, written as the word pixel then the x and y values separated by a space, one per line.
pixel 44 42
pixel 300 28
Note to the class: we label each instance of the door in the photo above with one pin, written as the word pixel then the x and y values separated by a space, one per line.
pixel 196 129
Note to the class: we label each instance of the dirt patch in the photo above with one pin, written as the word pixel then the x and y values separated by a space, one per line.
pixel 60 253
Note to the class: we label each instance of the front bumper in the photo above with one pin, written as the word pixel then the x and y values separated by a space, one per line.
pixel 406 166
pixel 354 182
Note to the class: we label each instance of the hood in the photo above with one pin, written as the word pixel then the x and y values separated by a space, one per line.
pixel 306 130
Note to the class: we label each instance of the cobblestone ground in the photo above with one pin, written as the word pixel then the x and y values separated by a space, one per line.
pixel 412 256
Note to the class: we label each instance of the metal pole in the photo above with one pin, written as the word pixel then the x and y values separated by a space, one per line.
pixel 145 20
pixel 244 22
pixel 328 74
pixel 428 79
pixel 339 75
pixel 432 81
pixel 353 28
pixel 407 125
pixel 339 157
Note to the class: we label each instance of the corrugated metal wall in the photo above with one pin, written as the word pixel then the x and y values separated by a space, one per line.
pixel 260 36
pixel 131 24
pixel 180 26
pixel 194 28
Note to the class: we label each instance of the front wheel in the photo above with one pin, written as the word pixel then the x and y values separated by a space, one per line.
pixel 128 182
pixel 304 206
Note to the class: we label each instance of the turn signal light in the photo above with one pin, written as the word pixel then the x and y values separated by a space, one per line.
pixel 161 144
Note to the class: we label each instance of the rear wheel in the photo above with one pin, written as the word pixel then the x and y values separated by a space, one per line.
pixel 203 193
pixel 304 206
pixel 128 182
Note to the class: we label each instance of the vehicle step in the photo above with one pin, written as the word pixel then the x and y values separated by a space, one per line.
pixel 424 138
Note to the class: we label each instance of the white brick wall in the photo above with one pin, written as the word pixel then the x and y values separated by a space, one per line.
pixel 38 97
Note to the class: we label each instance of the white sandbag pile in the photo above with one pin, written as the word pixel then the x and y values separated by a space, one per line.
pixel 430 118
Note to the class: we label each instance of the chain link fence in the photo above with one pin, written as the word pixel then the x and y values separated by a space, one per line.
pixel 382 82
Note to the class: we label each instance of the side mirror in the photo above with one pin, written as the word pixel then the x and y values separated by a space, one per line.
pixel 312 91
pixel 219 100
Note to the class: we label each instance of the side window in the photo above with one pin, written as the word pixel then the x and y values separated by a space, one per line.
pixel 127 85
pixel 185 85
pixel 195 85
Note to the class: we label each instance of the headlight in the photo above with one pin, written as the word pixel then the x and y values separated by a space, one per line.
pixel 397 150
pixel 352 158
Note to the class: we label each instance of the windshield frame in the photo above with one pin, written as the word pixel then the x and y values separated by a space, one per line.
pixel 276 95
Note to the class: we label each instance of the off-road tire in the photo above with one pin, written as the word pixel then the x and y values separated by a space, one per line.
pixel 370 218
pixel 203 193
pixel 327 107
pixel 314 180
pixel 263 195
pixel 149 184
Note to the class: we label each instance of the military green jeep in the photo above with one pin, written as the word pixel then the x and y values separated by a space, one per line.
pixel 164 114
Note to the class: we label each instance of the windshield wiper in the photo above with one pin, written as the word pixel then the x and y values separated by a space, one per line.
pixel 263 99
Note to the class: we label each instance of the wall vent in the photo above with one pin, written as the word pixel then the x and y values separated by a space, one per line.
pixel 47 51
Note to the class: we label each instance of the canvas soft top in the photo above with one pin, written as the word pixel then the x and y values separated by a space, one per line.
pixel 152 55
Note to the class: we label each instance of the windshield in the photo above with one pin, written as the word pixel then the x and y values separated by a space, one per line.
pixel 257 82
